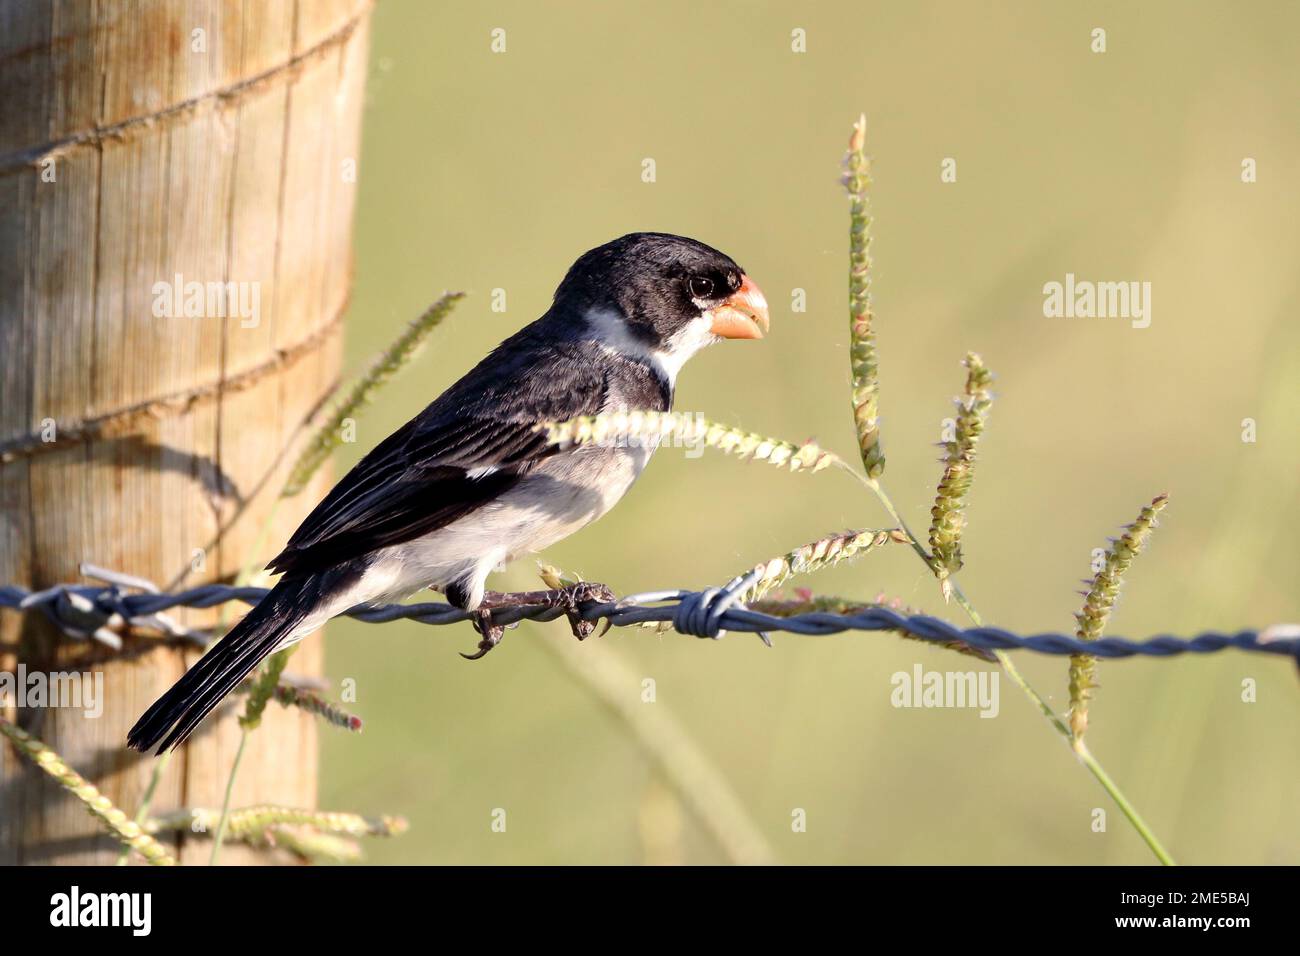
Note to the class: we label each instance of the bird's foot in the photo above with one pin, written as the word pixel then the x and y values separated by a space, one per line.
pixel 489 632
pixel 573 596
pixel 570 599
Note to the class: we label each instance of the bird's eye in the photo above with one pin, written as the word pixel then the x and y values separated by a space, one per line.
pixel 701 287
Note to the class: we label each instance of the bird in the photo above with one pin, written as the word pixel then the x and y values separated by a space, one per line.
pixel 473 480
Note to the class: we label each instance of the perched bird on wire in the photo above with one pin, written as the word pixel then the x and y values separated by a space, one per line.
pixel 472 482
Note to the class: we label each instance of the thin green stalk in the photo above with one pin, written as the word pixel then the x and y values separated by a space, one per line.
pixel 142 815
pixel 225 803
pixel 946 558
pixel 1128 809
pixel 1004 659
pixel 254 707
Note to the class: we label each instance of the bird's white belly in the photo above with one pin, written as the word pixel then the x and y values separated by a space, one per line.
pixel 557 498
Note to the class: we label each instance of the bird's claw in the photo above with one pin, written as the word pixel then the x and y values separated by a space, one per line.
pixel 571 597
pixel 490 632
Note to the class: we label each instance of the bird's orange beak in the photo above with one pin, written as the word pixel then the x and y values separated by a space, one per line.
pixel 743 315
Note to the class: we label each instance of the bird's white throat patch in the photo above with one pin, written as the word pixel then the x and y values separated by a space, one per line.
pixel 611 331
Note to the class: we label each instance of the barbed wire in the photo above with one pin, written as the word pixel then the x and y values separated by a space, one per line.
pixel 102 611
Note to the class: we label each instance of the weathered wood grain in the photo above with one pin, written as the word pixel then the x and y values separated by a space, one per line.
pixel 222 165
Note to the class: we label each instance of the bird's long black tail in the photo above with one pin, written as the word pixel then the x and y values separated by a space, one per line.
pixel 176 713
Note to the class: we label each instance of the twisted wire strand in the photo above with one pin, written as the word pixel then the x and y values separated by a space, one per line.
pixel 93 611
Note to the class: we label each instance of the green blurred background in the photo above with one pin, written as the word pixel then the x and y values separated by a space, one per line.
pixel 485 171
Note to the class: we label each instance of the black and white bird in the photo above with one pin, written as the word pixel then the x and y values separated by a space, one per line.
pixel 471 482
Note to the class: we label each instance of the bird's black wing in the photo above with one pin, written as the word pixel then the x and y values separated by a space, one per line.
pixel 467 448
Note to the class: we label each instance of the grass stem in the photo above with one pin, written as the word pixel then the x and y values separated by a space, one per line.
pixel 225 803
pixel 1085 756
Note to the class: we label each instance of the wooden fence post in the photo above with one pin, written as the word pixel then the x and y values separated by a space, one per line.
pixel 146 146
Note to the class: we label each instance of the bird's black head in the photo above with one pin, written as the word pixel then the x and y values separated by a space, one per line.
pixel 666 294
